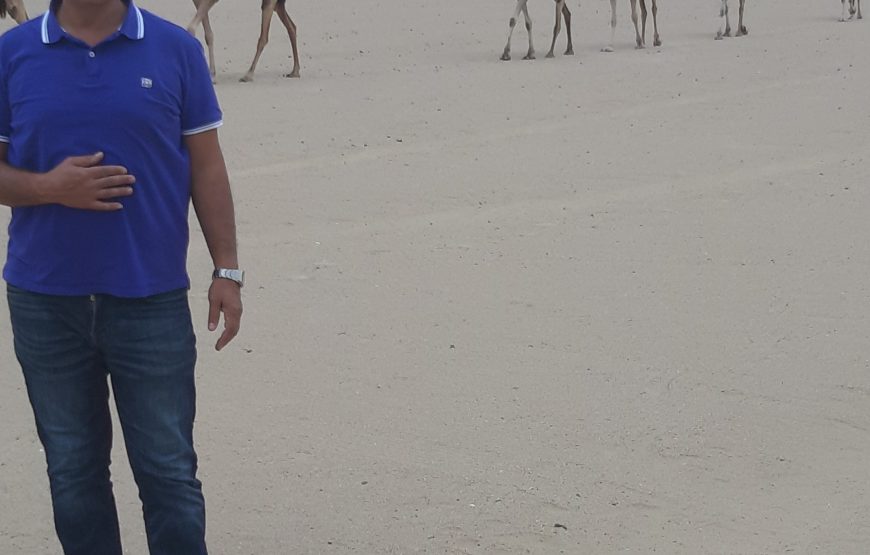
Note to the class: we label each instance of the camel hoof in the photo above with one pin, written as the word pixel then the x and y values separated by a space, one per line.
pixel 550 55
pixel 607 49
pixel 505 57
pixel 246 79
pixel 569 52
pixel 742 32
pixel 292 75
pixel 657 42
pixel 529 57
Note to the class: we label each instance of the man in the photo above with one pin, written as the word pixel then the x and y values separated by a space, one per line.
pixel 108 125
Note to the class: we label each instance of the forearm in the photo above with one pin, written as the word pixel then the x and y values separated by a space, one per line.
pixel 20 188
pixel 213 202
pixel 212 198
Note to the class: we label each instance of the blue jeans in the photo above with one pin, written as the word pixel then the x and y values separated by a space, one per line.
pixel 67 346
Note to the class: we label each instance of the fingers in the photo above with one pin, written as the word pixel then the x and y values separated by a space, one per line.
pixel 121 181
pixel 232 323
pixel 86 161
pixel 227 336
pixel 101 206
pixel 111 188
pixel 214 313
pixel 99 172
pixel 93 170
pixel 117 184
pixel 224 297
pixel 114 192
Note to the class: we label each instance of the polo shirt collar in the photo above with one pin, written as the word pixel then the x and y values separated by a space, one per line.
pixel 133 26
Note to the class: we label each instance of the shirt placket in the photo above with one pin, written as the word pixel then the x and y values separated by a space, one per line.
pixel 92 64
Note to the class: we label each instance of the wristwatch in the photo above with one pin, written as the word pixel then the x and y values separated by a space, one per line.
pixel 231 274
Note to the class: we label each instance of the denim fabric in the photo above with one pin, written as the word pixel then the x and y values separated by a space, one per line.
pixel 67 347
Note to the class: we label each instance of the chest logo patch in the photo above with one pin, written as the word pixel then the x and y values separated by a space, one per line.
pixel 146 83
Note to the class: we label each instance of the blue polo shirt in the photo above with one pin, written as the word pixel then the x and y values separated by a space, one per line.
pixel 134 97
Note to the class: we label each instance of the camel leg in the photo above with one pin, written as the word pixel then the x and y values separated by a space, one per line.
pixel 15 9
pixel 567 14
pixel 506 55
pixel 557 28
pixel 19 12
pixel 209 42
pixel 741 29
pixel 851 10
pixel 634 19
pixel 202 8
pixel 657 39
pixel 723 16
pixel 531 53
pixel 643 13
pixel 281 10
pixel 268 9
pixel 609 48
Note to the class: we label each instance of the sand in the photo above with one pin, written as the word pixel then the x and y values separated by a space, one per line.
pixel 596 304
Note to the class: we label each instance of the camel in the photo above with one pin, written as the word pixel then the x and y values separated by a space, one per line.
pixel 561 10
pixel 723 13
pixel 852 10
pixel 14 8
pixel 268 8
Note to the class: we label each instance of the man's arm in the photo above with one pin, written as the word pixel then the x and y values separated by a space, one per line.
pixel 213 202
pixel 78 182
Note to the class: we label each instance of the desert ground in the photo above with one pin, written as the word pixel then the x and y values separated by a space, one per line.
pixel 596 304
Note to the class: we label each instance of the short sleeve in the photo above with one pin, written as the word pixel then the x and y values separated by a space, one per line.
pixel 200 110
pixel 5 110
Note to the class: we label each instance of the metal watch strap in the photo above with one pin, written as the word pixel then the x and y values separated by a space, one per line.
pixel 232 274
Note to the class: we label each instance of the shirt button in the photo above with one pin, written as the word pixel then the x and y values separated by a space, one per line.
pixel 92 54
